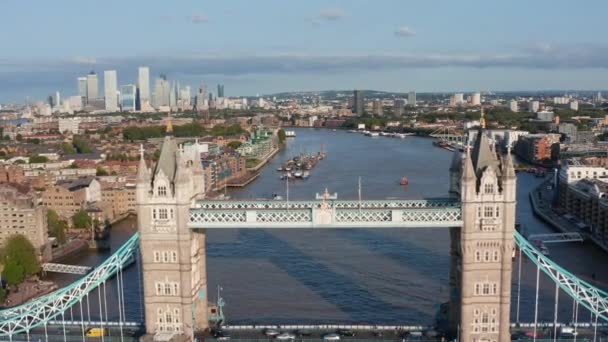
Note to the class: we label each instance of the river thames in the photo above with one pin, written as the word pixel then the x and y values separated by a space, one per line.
pixel 389 276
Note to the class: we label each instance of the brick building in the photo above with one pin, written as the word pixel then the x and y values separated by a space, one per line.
pixel 20 213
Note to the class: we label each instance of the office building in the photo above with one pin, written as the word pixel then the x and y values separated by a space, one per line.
pixel 92 87
pixel 574 105
pixel 399 106
pixel 82 87
pixel 377 107
pixel 411 98
pixel 68 125
pixel 201 101
pixel 545 116
pixel 162 91
pixel 127 97
pixel 143 84
pixel 358 102
pixel 533 106
pixel 22 214
pixel 110 90
pixel 513 106
pixel 476 99
pixel 220 90
pixel 57 99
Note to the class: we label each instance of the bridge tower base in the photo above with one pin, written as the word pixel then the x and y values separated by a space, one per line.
pixel 482 265
pixel 173 256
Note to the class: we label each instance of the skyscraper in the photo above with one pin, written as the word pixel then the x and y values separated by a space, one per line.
pixel 411 98
pixel 92 87
pixel 127 97
pixel 143 83
pixel 82 87
pixel 162 91
pixel 220 90
pixel 399 106
pixel 201 98
pixel 57 99
pixel 358 102
pixel 110 87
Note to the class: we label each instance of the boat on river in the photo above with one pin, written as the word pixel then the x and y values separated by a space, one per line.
pixel 404 181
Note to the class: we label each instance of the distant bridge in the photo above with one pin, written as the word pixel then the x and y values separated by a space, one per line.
pixel 62 268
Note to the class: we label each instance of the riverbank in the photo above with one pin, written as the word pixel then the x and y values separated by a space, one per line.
pixel 264 160
pixel 242 181
pixel 540 198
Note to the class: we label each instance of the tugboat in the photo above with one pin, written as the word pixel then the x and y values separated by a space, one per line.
pixel 404 181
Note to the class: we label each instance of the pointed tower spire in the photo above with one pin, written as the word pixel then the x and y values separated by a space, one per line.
pixel 143 173
pixel 468 172
pixel 508 168
pixel 482 119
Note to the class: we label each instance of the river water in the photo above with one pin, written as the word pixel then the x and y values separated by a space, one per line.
pixel 390 276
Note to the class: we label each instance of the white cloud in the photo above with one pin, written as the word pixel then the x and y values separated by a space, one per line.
pixel 199 18
pixel 332 13
pixel 84 60
pixel 404 31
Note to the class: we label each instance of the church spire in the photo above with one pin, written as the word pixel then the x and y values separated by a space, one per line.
pixel 482 120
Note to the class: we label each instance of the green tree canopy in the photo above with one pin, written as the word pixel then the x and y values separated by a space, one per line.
pixel 19 258
pixel 82 220
pixel 38 159
pixel 13 272
pixel 235 144
pixel 101 171
pixel 282 136
pixel 57 227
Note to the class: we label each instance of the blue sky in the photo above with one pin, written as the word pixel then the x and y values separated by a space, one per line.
pixel 264 46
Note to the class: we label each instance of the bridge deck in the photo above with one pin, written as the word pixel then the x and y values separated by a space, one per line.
pixel 326 214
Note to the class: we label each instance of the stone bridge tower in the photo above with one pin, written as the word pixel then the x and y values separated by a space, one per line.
pixel 481 267
pixel 173 256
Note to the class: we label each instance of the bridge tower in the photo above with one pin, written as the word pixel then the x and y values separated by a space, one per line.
pixel 173 256
pixel 483 251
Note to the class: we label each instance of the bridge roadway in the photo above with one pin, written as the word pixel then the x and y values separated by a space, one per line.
pixel 429 213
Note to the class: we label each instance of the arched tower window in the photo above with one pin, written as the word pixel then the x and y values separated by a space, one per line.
pixel 162 191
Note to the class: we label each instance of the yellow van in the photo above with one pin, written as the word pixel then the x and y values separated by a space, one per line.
pixel 97 332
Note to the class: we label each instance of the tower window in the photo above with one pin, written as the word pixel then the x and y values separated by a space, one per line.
pixel 488 211
pixel 488 188
pixel 162 191
pixel 162 214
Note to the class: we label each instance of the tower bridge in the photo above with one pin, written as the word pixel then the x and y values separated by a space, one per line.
pixel 173 217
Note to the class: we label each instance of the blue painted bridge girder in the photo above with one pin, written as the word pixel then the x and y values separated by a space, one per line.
pixel 431 213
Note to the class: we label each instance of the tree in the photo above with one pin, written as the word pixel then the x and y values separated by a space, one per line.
pixel 67 148
pixel 38 159
pixel 82 220
pixel 235 144
pixel 282 136
pixel 19 137
pixel 19 257
pixel 101 171
pixel 81 145
pixel 57 227
pixel 13 272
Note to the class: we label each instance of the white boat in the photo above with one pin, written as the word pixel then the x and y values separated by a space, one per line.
pixel 290 134
pixel 373 134
pixel 400 135
pixel 306 174
pixel 298 174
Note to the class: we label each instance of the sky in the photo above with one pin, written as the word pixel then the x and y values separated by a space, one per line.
pixel 266 46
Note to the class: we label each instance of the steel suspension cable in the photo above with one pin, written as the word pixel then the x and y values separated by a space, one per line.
pixel 518 286
pixel 555 312
pixel 118 287
pixel 536 300
pixel 100 314
pixel 105 304
pixel 81 319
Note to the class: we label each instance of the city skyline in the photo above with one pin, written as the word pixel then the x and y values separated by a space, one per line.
pixel 305 46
